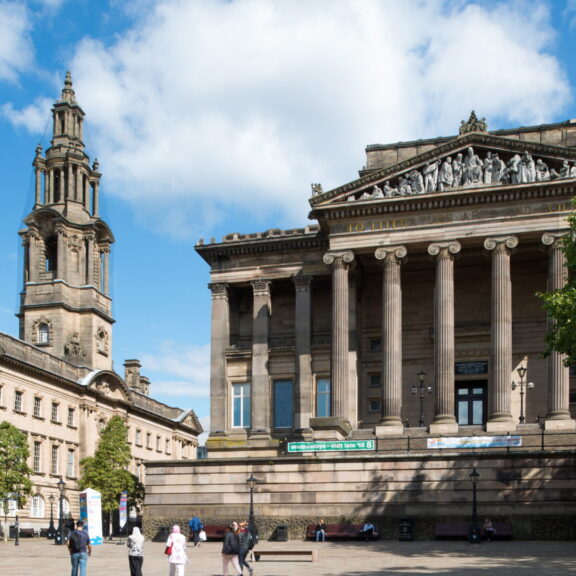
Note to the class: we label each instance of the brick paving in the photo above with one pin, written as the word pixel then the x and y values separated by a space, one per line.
pixel 388 558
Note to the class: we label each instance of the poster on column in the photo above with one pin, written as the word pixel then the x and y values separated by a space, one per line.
pixel 91 514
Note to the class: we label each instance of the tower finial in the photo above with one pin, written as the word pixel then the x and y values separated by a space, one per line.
pixel 68 92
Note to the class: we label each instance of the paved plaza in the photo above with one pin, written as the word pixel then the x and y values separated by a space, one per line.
pixel 40 557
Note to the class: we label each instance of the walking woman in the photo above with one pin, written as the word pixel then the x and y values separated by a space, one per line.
pixel 135 551
pixel 177 558
pixel 230 549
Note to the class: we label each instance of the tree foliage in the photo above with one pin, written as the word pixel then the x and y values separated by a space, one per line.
pixel 14 470
pixel 560 304
pixel 107 471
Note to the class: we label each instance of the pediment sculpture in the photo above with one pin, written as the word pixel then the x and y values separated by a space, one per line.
pixel 467 169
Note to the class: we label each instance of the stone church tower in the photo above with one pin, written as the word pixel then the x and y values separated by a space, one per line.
pixel 65 303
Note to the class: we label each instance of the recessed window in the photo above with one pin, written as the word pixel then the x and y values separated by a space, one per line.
pixel 43 333
pixel 54 412
pixel 158 439
pixel 148 440
pixel 71 464
pixel 375 405
pixel 138 437
pixel 51 254
pixel 283 403
pixel 37 457
pixel 37 507
pixel 167 446
pixel 71 417
pixel 54 461
pixel 37 407
pixel 374 380
pixel 375 345
pixel 18 401
pixel 241 405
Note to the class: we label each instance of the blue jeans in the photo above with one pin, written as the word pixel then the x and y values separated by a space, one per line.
pixel 320 536
pixel 79 559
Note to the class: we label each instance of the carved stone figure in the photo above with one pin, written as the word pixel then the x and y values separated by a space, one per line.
pixel 526 169
pixel 74 348
pixel 488 168
pixel 542 171
pixel 513 168
pixel 573 171
pixel 431 176
pixel 405 189
pixel 416 183
pixel 389 191
pixel 445 175
pixel 472 172
pixel 316 188
pixel 473 124
pixel 377 192
pixel 458 169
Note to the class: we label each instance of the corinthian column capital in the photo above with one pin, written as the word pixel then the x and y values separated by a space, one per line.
pixel 219 290
pixel 444 249
pixel 261 287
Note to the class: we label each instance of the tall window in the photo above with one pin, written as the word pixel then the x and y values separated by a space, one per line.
pixel 37 457
pixel 167 446
pixel 471 403
pixel 241 405
pixel 54 460
pixel 43 334
pixel 323 397
pixel 283 404
pixel 51 254
pixel 54 415
pixel 71 464
pixel 18 401
pixel 37 507
pixel 138 437
pixel 37 407
pixel 71 417
pixel 158 439
pixel 148 440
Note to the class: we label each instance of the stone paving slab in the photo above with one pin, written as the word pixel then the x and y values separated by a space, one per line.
pixel 388 558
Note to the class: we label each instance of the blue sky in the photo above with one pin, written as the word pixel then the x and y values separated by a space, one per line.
pixel 210 117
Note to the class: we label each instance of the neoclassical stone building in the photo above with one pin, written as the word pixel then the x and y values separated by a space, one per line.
pixel 365 364
pixel 429 263
pixel 57 383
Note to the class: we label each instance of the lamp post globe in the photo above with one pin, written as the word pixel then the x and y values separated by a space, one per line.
pixel 474 535
pixel 51 529
pixel 61 488
pixel 252 481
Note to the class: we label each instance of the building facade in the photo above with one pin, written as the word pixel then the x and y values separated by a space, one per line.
pixel 57 383
pixel 364 366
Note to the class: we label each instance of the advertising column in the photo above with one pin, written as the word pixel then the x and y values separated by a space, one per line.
pixel 91 514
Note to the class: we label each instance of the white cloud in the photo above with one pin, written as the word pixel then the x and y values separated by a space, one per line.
pixel 189 367
pixel 209 107
pixel 32 117
pixel 16 50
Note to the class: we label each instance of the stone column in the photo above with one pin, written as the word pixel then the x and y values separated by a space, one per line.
pixel 62 187
pixel 38 187
pixel 90 260
pixel 444 353
pixel 260 397
pixel 500 415
pixel 106 271
pixel 34 251
pixel 220 401
pixel 62 249
pixel 50 196
pixel 340 263
pixel 391 421
pixel 95 200
pixel 558 380
pixel 70 192
pixel 303 389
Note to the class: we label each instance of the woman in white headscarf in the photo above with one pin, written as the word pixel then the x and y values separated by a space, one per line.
pixel 135 551
pixel 177 558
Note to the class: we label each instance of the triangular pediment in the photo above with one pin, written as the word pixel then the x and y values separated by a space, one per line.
pixel 474 160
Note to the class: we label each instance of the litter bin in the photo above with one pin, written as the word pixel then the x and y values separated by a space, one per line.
pixel 281 533
pixel 406 530
pixel 162 534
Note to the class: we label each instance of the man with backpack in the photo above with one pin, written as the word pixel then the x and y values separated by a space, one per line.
pixel 80 548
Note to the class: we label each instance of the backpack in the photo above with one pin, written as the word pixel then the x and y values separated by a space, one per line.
pixel 75 542
pixel 251 541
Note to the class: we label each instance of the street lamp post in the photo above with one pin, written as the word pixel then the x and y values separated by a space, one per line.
pixel 50 534
pixel 474 535
pixel 524 387
pixel 420 389
pixel 61 487
pixel 251 521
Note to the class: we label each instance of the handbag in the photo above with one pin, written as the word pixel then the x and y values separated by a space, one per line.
pixel 168 550
pixel 202 536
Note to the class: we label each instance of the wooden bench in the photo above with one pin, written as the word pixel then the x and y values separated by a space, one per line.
pixel 27 533
pixel 460 530
pixel 215 531
pixel 311 555
pixel 340 532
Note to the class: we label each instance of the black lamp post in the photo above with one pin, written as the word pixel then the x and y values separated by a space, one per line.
pixel 51 530
pixel 61 487
pixel 251 522
pixel 420 389
pixel 474 535
pixel 524 387
pixel 17 523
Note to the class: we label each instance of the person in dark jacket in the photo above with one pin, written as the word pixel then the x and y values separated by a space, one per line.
pixel 244 538
pixel 230 550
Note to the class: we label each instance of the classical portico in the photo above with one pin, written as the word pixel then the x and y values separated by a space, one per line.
pixel 430 261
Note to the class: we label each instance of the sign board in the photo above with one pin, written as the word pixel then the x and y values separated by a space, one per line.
pixel 123 510
pixel 467 368
pixel 332 446
pixel 91 514
pixel 475 442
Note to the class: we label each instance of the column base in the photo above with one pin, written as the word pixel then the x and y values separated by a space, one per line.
pixel 501 426
pixel 330 428
pixel 396 429
pixel 444 428
pixel 561 424
pixel 302 435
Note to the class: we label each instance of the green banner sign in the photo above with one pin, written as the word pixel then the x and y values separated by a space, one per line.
pixel 332 446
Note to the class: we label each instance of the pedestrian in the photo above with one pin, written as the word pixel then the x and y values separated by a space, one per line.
pixel 230 550
pixel 80 548
pixel 244 538
pixel 195 526
pixel 177 557
pixel 135 544
pixel 320 531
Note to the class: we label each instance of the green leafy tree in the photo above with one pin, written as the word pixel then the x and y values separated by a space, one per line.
pixel 107 471
pixel 560 304
pixel 15 474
